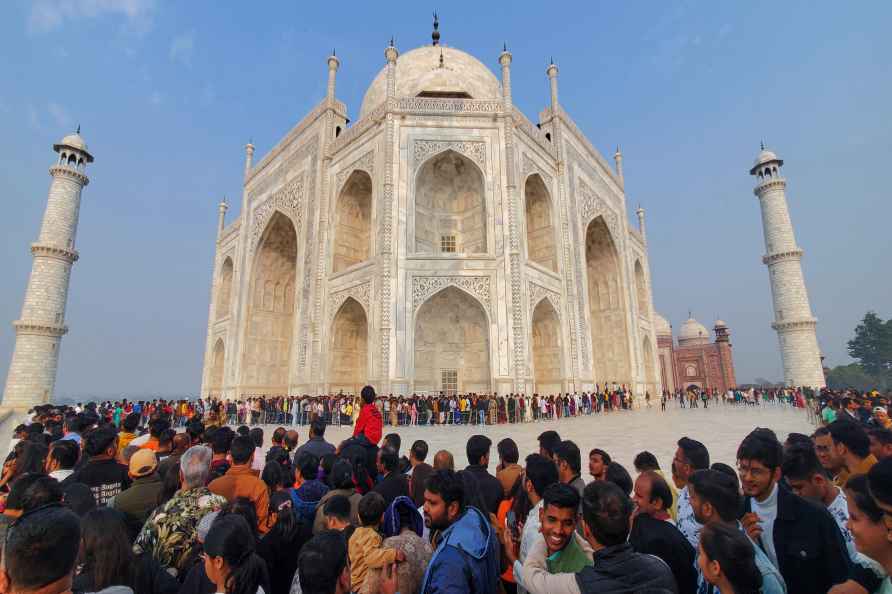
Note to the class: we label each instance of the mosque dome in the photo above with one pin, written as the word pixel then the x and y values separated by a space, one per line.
pixel 692 332
pixel 419 71
pixel 75 141
pixel 765 156
pixel 661 325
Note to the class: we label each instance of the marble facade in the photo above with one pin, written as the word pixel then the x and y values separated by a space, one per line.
pixel 442 240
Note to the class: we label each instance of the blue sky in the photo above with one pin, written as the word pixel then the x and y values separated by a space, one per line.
pixel 168 93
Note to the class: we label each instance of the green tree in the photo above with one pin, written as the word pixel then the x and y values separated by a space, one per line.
pixel 854 376
pixel 872 344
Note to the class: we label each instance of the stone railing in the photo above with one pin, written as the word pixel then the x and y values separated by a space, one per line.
pixel 283 144
pixel 532 132
pixel 431 105
pixel 581 138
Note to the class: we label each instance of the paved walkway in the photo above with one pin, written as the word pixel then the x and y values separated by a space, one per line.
pixel 622 434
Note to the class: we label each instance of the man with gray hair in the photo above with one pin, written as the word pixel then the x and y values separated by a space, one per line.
pixel 170 532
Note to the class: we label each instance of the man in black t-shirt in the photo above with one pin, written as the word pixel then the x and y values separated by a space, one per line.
pixel 102 472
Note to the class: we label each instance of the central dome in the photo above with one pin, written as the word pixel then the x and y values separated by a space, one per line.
pixel 419 72
pixel 693 332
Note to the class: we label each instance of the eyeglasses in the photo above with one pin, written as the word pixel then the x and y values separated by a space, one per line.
pixel 752 471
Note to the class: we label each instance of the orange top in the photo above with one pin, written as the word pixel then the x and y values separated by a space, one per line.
pixel 502 519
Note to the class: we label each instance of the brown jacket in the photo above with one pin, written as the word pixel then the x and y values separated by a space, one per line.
pixel 240 481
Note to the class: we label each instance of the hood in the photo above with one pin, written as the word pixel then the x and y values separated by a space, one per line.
pixel 312 490
pixel 471 533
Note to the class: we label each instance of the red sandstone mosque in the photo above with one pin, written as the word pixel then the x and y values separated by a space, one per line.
pixel 694 360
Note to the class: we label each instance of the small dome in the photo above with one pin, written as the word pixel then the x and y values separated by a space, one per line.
pixel 692 332
pixel 765 156
pixel 75 141
pixel 720 324
pixel 419 71
pixel 661 325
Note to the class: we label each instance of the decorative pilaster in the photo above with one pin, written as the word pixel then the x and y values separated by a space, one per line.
pixel 639 212
pixel 386 248
pixel 32 372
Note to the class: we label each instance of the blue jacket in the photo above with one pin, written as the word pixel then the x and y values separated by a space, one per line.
pixel 467 558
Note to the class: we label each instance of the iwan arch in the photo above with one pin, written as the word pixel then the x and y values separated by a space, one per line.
pixel 442 241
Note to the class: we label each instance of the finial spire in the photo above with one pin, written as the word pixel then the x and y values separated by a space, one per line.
pixel 762 145
pixel 504 46
pixel 435 36
pixel 78 129
pixel 441 57
pixel 333 52
pixel 391 41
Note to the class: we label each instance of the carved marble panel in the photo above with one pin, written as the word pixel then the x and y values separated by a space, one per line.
pixel 361 293
pixel 538 292
pixel 422 150
pixel 425 286
pixel 288 199
pixel 365 163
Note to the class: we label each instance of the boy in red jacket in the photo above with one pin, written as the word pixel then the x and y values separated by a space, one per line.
pixel 369 422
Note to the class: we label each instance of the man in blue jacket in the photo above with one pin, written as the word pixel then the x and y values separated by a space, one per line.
pixel 467 556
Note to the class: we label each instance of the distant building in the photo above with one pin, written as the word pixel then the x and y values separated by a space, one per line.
pixel 694 361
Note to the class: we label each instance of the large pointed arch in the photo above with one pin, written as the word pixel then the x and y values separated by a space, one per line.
pixel 452 335
pixel 349 348
pixel 650 372
pixel 353 222
pixel 215 381
pixel 609 329
pixel 270 320
pixel 450 206
pixel 224 289
pixel 540 235
pixel 546 343
pixel 641 288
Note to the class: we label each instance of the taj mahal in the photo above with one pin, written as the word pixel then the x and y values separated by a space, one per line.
pixel 442 242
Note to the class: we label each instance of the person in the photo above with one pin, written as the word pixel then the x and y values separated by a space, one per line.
pixel 419 471
pixel 316 444
pixel 107 558
pixel 690 457
pixel 157 428
pixel 341 483
pixel 491 492
pixel 566 551
pixel 336 512
pixel 466 558
pixel 868 527
pixel 654 533
pixel 256 435
pixel 726 560
pixel 569 465
pixel 598 461
pixel 287 534
pixel 307 490
pixel 29 492
pixel 240 481
pixel 51 532
pixel 619 476
pixel 548 440
pixel 220 441
pixel 645 461
pixel 851 449
pixel 402 527
pixel 443 460
pixel 541 473
pixel 169 533
pixel 138 501
pixel 880 442
pixel 230 558
pixel 364 547
pixel 102 472
pixel 715 498
pixel 808 479
pixel 508 470
pixel 370 423
pixel 323 566
pixel 801 539
pixel 606 515
pixel 181 443
pixel 62 459
pixel 393 483
pixel 128 432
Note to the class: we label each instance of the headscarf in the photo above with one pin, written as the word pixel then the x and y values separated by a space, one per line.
pixel 392 525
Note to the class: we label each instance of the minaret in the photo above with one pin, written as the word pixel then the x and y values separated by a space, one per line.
pixel 221 217
pixel 552 73
pixel 793 319
pixel 333 64
pixel 39 331
pixel 618 159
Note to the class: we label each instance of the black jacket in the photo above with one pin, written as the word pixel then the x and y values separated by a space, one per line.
pixel 417 481
pixel 620 570
pixel 660 538
pixel 811 553
pixel 491 491
pixel 392 486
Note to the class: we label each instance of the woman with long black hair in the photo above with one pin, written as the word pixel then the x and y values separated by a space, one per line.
pixel 107 558
pixel 727 560
pixel 230 558
pixel 280 545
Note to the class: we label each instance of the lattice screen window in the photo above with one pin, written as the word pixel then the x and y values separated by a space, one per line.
pixel 447 244
pixel 449 381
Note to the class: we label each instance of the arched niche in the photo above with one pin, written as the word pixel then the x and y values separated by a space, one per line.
pixel 349 350
pixel 452 335
pixel 541 247
pixel 546 349
pixel 450 211
pixel 269 325
pixel 609 332
pixel 224 290
pixel 641 288
pixel 353 222
pixel 215 382
pixel 650 372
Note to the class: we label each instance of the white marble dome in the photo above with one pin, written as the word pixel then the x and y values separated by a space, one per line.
pixel 692 332
pixel 75 141
pixel 765 156
pixel 419 71
pixel 661 325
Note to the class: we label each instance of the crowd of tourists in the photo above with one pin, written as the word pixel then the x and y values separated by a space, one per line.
pixel 432 409
pixel 89 505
